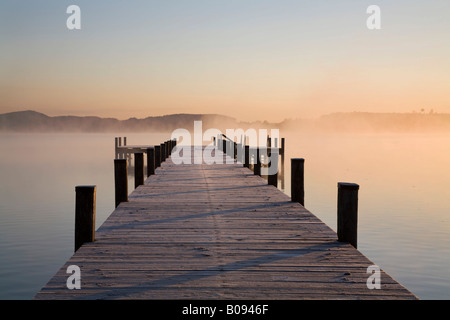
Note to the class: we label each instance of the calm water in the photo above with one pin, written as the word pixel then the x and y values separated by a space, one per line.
pixel 404 200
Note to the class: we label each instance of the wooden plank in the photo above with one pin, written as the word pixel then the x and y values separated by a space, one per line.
pixel 216 232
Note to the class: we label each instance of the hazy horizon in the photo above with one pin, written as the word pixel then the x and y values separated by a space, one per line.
pixel 423 111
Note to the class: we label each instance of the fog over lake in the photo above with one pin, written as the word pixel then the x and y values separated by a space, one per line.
pixel 404 199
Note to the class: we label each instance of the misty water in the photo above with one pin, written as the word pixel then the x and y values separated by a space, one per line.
pixel 404 199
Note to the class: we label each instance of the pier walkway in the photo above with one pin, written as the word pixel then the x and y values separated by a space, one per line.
pixel 199 231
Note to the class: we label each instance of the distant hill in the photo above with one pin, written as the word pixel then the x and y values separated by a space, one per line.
pixel 32 121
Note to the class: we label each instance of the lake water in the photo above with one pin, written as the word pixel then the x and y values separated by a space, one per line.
pixel 404 199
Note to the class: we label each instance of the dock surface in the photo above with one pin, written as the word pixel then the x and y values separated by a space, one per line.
pixel 200 231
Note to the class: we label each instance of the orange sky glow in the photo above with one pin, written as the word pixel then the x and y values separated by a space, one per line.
pixel 271 61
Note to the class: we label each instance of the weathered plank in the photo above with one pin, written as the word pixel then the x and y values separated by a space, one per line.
pixel 198 231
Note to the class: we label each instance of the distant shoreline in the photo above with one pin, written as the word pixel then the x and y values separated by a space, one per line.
pixel 33 122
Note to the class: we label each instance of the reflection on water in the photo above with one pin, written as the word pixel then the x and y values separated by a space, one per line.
pixel 404 199
pixel 38 175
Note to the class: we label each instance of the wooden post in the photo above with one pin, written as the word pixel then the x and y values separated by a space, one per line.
pixel 224 146
pixel 124 141
pixel 84 215
pixel 247 157
pixel 298 180
pixel 163 152
pixel 282 146
pixel 157 156
pixel 116 148
pixel 166 149
pixel 272 179
pixel 138 169
pixel 170 147
pixel 121 180
pixel 347 224
pixel 150 161
pixel 239 153
pixel 281 171
pixel 257 164
pixel 121 154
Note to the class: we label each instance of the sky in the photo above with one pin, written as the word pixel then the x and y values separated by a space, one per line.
pixel 249 59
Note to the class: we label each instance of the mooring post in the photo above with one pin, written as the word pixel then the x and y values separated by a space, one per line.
pixel 298 180
pixel 116 147
pixel 157 156
pixel 281 171
pixel 119 144
pixel 257 162
pixel 166 149
pixel 224 146
pixel 163 152
pixel 150 161
pixel 138 169
pixel 121 180
pixel 84 215
pixel 347 224
pixel 239 153
pixel 272 179
pixel 247 157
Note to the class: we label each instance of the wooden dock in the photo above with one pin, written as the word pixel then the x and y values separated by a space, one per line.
pixel 126 151
pixel 198 231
